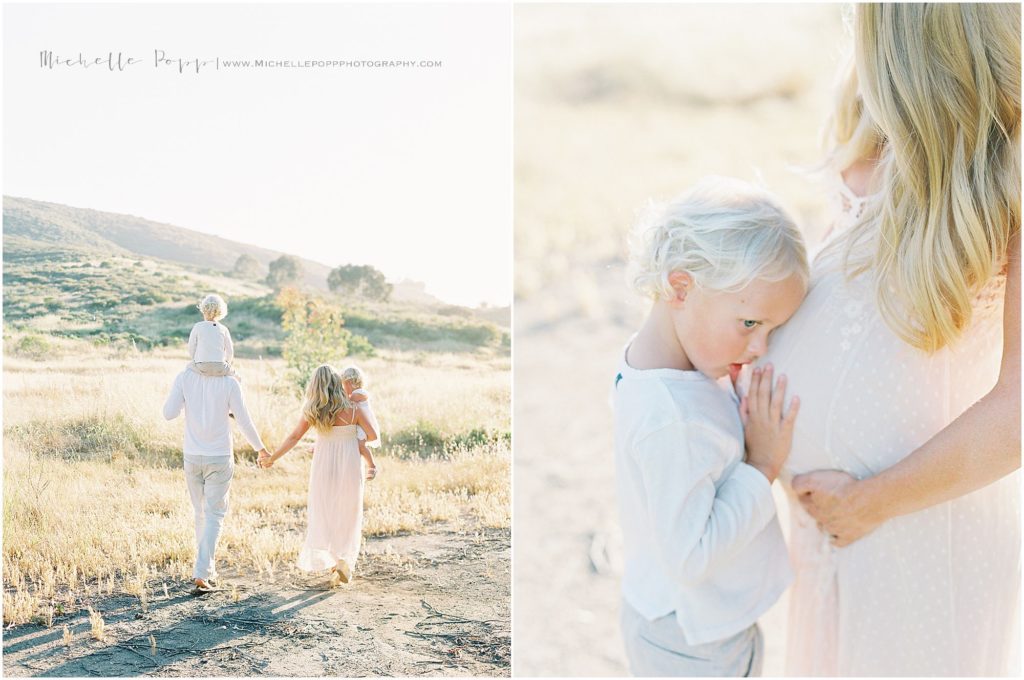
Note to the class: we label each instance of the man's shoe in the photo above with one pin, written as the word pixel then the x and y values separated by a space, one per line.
pixel 202 587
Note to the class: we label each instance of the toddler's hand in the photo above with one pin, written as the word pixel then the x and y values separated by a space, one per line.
pixel 768 433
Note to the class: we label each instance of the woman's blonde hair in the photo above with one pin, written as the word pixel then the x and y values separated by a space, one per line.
pixel 724 232
pixel 935 88
pixel 354 375
pixel 325 399
pixel 213 307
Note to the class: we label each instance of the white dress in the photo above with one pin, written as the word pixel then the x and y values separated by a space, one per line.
pixel 335 509
pixel 936 592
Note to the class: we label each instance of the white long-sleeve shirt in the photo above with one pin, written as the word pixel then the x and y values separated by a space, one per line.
pixel 700 533
pixel 207 400
pixel 210 341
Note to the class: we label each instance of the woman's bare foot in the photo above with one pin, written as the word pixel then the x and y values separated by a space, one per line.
pixel 343 571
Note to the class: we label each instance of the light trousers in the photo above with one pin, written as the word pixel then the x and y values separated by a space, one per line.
pixel 208 486
pixel 658 649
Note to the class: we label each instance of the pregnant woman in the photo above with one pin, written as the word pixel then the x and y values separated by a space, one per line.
pixel 906 355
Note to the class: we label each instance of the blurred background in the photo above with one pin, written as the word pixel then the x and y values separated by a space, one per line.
pixel 617 105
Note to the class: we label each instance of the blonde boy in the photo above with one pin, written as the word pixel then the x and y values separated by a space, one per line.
pixel 704 555
pixel 209 343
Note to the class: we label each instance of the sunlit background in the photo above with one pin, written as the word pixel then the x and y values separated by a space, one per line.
pixel 407 170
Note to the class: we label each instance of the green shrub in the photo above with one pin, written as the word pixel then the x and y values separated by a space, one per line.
pixel 35 347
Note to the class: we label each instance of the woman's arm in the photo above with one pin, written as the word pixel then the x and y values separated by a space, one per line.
pixel 364 422
pixel 289 442
pixel 978 448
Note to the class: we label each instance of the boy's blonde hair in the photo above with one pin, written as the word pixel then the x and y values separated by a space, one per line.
pixel 354 375
pixel 325 399
pixel 213 307
pixel 724 232
pixel 937 88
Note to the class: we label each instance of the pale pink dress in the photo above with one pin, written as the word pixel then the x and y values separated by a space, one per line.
pixel 933 593
pixel 335 509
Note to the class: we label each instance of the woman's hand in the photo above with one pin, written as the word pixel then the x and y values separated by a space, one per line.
pixel 834 499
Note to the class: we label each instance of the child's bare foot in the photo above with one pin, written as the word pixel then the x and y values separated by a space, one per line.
pixel 371 472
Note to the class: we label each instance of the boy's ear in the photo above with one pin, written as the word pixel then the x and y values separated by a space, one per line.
pixel 681 283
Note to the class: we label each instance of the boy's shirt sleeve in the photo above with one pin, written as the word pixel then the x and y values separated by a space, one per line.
pixel 697 525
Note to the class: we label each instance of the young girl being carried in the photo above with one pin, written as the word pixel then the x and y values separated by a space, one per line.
pixel 335 509
pixel 353 380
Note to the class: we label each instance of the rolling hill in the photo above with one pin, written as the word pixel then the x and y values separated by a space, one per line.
pixel 127 235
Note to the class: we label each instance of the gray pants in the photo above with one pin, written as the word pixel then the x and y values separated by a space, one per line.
pixel 208 486
pixel 213 368
pixel 657 649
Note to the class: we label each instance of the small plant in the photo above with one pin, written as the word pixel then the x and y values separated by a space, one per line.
pixel 34 347
pixel 315 334
pixel 67 636
pixel 96 625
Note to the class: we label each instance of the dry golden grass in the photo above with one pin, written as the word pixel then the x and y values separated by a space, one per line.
pixel 95 501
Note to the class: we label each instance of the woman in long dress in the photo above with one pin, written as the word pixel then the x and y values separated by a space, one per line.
pixel 906 355
pixel 336 478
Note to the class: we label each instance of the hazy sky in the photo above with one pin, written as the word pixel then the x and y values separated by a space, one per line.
pixel 406 169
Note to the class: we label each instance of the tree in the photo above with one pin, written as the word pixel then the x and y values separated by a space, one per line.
pixel 315 334
pixel 359 279
pixel 284 271
pixel 247 267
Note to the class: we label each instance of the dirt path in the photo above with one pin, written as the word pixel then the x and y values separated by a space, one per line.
pixel 425 604
pixel 568 542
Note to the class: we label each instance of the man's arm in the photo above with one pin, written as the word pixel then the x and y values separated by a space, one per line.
pixel 175 400
pixel 243 418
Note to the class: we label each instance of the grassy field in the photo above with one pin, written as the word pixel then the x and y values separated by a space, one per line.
pixel 95 502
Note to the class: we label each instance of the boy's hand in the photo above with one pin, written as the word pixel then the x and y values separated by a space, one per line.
pixel 768 433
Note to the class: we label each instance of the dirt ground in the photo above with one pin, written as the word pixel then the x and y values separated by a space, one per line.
pixel 424 604
pixel 568 542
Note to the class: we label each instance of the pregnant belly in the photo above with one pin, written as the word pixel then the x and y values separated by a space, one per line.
pixel 867 398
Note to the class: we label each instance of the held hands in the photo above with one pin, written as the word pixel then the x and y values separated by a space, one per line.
pixel 265 460
pixel 768 433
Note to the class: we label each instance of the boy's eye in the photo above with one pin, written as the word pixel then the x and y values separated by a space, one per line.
pixel 750 323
